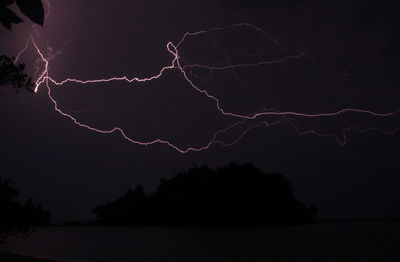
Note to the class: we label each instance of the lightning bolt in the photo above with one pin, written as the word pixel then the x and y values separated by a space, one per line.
pixel 43 79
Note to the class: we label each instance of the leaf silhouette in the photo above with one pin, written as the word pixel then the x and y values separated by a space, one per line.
pixel 7 17
pixel 33 9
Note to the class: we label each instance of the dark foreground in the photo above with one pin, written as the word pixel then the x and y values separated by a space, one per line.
pixel 320 242
pixel 7 257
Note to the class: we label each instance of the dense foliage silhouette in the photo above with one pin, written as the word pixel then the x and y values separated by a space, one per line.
pixel 17 218
pixel 201 196
pixel 13 74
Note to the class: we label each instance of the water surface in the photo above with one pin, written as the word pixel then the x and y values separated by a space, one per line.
pixel 322 242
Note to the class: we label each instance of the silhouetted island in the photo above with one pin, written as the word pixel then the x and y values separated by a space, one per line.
pixel 235 195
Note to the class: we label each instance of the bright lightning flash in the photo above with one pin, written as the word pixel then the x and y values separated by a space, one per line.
pixel 43 79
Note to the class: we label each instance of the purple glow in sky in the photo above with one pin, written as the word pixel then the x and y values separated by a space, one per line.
pixel 44 78
pixel 307 89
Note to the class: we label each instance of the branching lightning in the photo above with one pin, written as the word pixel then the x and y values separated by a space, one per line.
pixel 249 121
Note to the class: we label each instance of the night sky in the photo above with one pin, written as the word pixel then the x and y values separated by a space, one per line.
pixel 351 51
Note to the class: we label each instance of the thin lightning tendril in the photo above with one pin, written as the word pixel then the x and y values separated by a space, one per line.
pixel 43 78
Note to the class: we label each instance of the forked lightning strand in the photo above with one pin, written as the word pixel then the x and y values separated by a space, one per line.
pixel 177 64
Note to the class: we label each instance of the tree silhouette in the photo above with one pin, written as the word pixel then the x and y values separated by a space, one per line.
pixel 13 74
pixel 234 195
pixel 128 209
pixel 10 72
pixel 31 8
pixel 16 218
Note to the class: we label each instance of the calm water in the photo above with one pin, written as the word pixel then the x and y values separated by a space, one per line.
pixel 322 242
